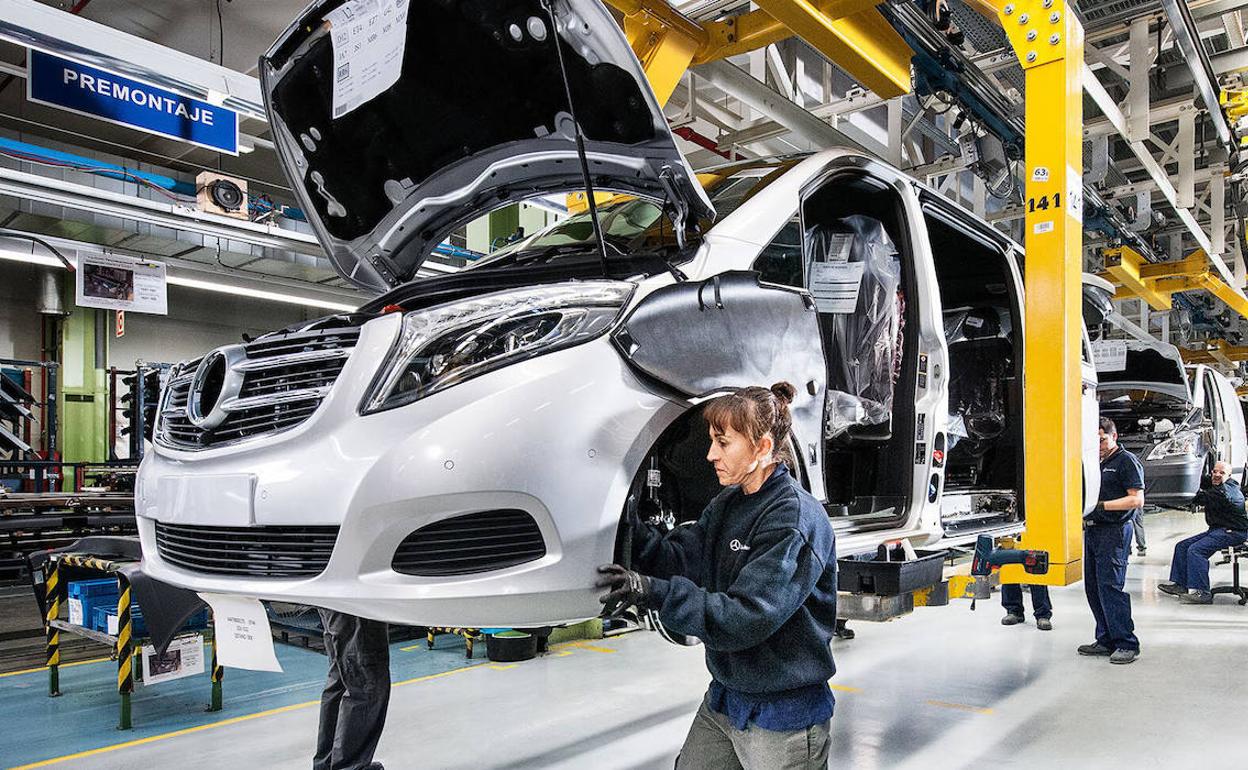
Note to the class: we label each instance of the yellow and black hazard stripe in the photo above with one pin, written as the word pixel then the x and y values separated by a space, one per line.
pixel 125 642
pixel 125 653
pixel 52 593
pixel 90 562
pixel 469 634
pixel 218 673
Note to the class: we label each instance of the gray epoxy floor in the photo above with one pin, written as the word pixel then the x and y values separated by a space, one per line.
pixel 945 687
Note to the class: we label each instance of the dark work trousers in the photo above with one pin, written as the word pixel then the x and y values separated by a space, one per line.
pixel 357 691
pixel 1105 551
pixel 1012 601
pixel 1137 523
pixel 1190 566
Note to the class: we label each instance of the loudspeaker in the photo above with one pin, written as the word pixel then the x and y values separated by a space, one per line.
pixel 219 194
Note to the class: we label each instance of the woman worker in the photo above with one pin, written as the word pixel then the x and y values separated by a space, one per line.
pixel 755 580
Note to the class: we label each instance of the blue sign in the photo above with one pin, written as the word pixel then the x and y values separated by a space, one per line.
pixel 98 93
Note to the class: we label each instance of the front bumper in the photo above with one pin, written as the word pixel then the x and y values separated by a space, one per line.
pixel 1173 481
pixel 559 436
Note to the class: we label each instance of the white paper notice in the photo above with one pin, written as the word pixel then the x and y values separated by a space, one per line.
pixel 185 657
pixel 243 636
pixel 121 283
pixel 368 38
pixel 1109 355
pixel 835 285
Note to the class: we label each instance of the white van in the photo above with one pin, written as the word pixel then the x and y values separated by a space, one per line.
pixel 462 450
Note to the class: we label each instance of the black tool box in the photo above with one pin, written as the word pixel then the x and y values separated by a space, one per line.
pixel 869 574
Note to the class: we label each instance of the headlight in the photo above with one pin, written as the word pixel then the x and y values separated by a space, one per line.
pixel 1181 443
pixel 451 343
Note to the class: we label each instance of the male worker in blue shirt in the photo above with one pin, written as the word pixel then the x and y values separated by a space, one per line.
pixel 1106 546
pixel 1228 526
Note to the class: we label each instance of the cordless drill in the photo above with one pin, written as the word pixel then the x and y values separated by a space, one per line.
pixel 988 556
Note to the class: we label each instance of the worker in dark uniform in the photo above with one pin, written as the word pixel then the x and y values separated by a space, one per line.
pixel 1041 605
pixel 755 580
pixel 1106 547
pixel 1228 527
pixel 357 692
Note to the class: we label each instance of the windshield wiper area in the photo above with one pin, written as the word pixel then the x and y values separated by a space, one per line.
pixel 534 256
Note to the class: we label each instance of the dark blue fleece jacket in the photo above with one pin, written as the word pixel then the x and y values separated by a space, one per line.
pixel 755 579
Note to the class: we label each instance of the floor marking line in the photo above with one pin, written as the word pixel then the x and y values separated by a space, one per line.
pixel 222 723
pixel 45 668
pixel 845 688
pixel 959 706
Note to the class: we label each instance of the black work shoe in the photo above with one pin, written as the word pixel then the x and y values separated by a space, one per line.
pixel 1094 649
pixel 1174 589
pixel 375 766
pixel 1123 657
pixel 1044 624
pixel 1142 551
pixel 1012 620
pixel 1197 597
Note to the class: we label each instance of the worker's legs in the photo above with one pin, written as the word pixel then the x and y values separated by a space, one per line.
pixel 331 696
pixel 1110 548
pixel 1137 523
pixel 1012 599
pixel 1041 604
pixel 707 746
pixel 1198 554
pixel 1178 562
pixel 1091 587
pixel 359 652
pixel 759 749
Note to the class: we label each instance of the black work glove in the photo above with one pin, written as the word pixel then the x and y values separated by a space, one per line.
pixel 626 588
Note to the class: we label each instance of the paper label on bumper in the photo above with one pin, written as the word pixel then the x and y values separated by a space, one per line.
pixel 243 636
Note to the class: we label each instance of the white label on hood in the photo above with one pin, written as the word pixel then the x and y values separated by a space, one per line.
pixel 1109 355
pixel 368 38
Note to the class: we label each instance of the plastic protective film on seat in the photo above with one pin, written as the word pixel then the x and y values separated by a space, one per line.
pixel 863 338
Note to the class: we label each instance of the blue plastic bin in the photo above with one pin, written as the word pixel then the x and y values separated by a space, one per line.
pixel 92 594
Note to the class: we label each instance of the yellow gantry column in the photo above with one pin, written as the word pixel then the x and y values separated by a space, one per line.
pixel 1048 40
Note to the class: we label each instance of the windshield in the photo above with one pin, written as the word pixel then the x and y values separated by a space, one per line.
pixel 638 236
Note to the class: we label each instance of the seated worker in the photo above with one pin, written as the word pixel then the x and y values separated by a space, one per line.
pixel 1228 526
pixel 755 579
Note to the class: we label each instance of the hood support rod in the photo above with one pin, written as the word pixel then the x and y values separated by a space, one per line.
pixel 580 140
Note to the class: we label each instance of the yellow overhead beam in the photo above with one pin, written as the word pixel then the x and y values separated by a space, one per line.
pixel 1122 266
pixel 1048 39
pixel 849 32
pixel 1155 282
pixel 863 44
pixel 1215 352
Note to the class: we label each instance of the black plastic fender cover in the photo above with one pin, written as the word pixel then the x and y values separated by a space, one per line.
pixel 731 331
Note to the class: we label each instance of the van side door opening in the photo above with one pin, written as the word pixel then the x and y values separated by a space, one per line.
pixel 979 292
pixel 859 266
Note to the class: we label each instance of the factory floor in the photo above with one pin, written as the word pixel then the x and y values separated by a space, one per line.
pixel 943 686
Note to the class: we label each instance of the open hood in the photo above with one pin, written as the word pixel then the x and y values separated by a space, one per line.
pixel 452 109
pixel 1152 366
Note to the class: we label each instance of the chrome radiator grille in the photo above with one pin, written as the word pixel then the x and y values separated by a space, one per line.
pixel 278 383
